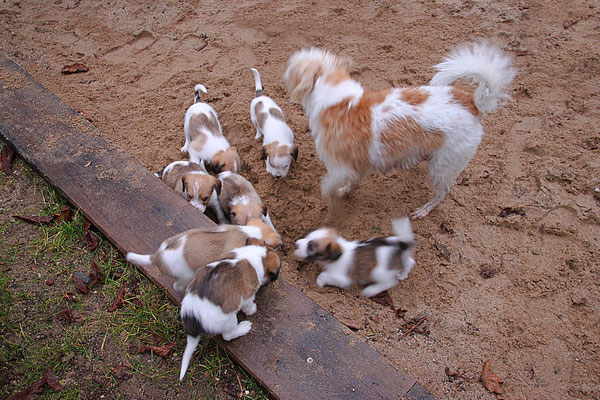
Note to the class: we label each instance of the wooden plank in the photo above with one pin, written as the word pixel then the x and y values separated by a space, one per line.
pixel 296 350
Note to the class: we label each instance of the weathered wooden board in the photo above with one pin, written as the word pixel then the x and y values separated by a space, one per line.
pixel 296 350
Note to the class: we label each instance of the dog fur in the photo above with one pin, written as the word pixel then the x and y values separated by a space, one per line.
pixel 278 149
pixel 181 255
pixel 204 138
pixel 378 262
pixel 357 131
pixel 219 290
pixel 192 181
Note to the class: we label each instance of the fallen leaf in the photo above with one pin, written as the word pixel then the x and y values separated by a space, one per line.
pixel 231 390
pixel 118 301
pixel 6 156
pixel 121 372
pixel 52 380
pixel 80 285
pixel 67 315
pixel 96 274
pixel 156 338
pixel 36 219
pixel 400 312
pixel 65 214
pixel 443 251
pixel 162 351
pixel 506 211
pixel 490 380
pixel 74 68
pixel 90 238
pixel 384 299
pixel 31 392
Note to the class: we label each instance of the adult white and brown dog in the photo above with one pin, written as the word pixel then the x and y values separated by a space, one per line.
pixel 204 138
pixel 278 149
pixel 221 289
pixel 180 256
pixel 192 181
pixel 358 131
pixel 379 263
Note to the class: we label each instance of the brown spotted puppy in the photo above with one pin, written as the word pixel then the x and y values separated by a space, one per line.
pixel 181 255
pixel 270 237
pixel 192 181
pixel 278 139
pixel 238 201
pixel 378 262
pixel 221 289
pixel 204 138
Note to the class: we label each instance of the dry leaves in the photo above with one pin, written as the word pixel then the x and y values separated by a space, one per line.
pixel 121 372
pixel 74 68
pixel 162 351
pixel 490 380
pixel 118 301
pixel 32 391
pixel 83 282
pixel 90 238
pixel 6 156
pixel 384 299
pixel 64 215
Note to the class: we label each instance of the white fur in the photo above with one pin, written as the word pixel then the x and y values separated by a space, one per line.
pixel 274 130
pixel 139 259
pixel 212 318
pixel 463 131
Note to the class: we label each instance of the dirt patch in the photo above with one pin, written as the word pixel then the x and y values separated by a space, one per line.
pixel 510 288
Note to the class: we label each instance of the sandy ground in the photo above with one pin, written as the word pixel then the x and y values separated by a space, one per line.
pixel 536 318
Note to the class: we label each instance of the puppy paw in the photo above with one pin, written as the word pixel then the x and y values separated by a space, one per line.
pixel 322 280
pixel 249 309
pixel 179 287
pixel 371 291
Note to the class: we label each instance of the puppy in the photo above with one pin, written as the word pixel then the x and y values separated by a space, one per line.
pixel 278 149
pixel 221 289
pixel 181 255
pixel 238 201
pixel 204 138
pixel 192 181
pixel 269 236
pixel 357 131
pixel 379 262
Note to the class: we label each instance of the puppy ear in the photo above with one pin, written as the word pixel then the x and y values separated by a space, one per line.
pixel 333 251
pixel 307 81
pixel 217 168
pixel 254 242
pixel 295 152
pixel 218 186
pixel 263 154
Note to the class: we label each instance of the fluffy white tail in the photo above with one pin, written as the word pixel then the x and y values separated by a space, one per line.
pixel 257 82
pixel 139 259
pixel 197 89
pixel 192 343
pixel 484 63
pixel 402 229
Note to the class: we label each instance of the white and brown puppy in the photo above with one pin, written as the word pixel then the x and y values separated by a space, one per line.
pixel 238 201
pixel 204 138
pixel 221 289
pixel 278 149
pixel 357 131
pixel 181 255
pixel 192 181
pixel 378 262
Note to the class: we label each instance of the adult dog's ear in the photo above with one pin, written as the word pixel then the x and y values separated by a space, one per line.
pixel 308 78
pixel 295 153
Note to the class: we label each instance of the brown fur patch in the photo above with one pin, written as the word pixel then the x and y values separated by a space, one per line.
pixel 301 79
pixel 204 121
pixel 239 213
pixel 414 96
pixel 233 186
pixel 203 247
pixel 227 284
pixel 403 134
pixel 277 114
pixel 270 237
pixel 228 160
pixel 173 178
pixel 365 260
pixel 348 133
pixel 337 77
pixel 271 263
pixel 206 185
pixel 464 97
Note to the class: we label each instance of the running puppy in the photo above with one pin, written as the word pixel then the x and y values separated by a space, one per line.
pixel 357 131
pixel 278 149
pixel 191 181
pixel 204 138
pixel 221 289
pixel 378 262
pixel 238 201
pixel 181 255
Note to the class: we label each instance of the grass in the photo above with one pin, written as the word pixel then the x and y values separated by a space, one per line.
pixel 37 269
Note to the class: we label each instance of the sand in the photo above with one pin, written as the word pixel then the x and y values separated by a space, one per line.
pixel 521 291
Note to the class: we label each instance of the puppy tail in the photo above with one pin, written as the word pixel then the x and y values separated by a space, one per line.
pixel 192 343
pixel 257 82
pixel 139 259
pixel 484 63
pixel 402 229
pixel 197 89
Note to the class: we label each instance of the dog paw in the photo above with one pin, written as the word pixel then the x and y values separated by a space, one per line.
pixel 322 280
pixel 249 309
pixel 421 212
pixel 243 328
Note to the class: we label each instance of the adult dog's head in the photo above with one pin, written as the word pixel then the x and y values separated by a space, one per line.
pixel 306 66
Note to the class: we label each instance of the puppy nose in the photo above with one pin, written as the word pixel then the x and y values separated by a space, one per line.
pixel 278 175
